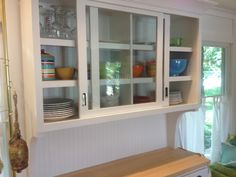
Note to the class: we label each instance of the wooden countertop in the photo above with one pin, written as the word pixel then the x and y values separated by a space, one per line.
pixel 166 162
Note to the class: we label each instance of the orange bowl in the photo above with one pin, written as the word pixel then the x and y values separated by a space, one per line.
pixel 65 73
pixel 137 70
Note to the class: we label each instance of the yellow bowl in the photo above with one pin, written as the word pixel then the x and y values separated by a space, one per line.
pixel 65 73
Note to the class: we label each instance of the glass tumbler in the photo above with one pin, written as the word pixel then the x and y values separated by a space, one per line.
pixel 60 27
pixel 46 21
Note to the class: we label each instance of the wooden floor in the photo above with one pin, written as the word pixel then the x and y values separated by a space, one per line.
pixel 166 162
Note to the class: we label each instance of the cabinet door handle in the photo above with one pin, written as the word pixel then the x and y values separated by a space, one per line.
pixel 166 92
pixel 84 101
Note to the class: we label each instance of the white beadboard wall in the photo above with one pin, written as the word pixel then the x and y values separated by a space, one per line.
pixel 69 150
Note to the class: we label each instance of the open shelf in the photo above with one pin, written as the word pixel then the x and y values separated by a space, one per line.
pixel 107 45
pixel 180 78
pixel 181 49
pixel 59 83
pixel 143 47
pixel 140 80
pixel 143 80
pixel 57 42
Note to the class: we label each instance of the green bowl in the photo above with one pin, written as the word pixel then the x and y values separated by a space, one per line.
pixel 176 41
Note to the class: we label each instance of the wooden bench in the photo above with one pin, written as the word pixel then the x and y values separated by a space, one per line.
pixel 166 162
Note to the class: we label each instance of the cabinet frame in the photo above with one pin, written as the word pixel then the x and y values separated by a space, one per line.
pixel 33 86
pixel 95 45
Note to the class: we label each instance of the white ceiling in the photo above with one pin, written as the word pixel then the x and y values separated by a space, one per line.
pixel 204 4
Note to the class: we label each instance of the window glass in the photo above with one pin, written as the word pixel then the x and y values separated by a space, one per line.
pixel 212 70
pixel 213 64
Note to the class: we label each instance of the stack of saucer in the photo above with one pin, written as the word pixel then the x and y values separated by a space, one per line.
pixel 175 97
pixel 57 108
pixel 48 66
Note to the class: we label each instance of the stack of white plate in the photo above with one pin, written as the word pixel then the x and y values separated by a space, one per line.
pixel 175 97
pixel 57 108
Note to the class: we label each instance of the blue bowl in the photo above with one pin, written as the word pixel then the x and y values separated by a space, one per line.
pixel 177 66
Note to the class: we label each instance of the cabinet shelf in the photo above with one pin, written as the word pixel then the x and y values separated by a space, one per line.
pixel 143 46
pixel 59 83
pixel 143 80
pixel 180 78
pixel 108 45
pixel 181 49
pixel 127 81
pixel 57 42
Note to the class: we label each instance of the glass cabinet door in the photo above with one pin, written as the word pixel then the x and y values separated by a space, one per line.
pixel 121 58
pixel 144 42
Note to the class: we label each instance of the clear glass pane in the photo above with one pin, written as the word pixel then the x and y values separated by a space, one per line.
pixel 144 29
pixel 144 58
pixel 121 57
pixel 212 70
pixel 208 104
pixel 114 26
pixel 144 93
pixel 114 69
pixel 57 19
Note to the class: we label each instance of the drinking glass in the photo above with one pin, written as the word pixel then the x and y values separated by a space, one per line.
pixel 60 27
pixel 46 20
pixel 71 22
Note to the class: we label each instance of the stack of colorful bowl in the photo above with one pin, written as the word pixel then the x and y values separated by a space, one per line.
pixel 48 66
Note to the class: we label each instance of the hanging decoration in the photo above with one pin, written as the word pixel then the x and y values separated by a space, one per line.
pixel 18 149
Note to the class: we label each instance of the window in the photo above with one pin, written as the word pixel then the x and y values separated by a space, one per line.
pixel 213 85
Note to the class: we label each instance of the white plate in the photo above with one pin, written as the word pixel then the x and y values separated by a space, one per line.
pixel 59 117
pixel 59 110
pixel 51 119
pixel 57 113
pixel 57 101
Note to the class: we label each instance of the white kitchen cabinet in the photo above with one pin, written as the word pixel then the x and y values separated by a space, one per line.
pixel 104 44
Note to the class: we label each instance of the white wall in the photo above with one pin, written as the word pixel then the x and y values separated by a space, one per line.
pixel 218 29
pixel 14 50
pixel 233 80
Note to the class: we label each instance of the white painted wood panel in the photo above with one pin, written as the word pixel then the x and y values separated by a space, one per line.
pixel 73 149
pixel 3 89
pixel 217 29
pixel 3 84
